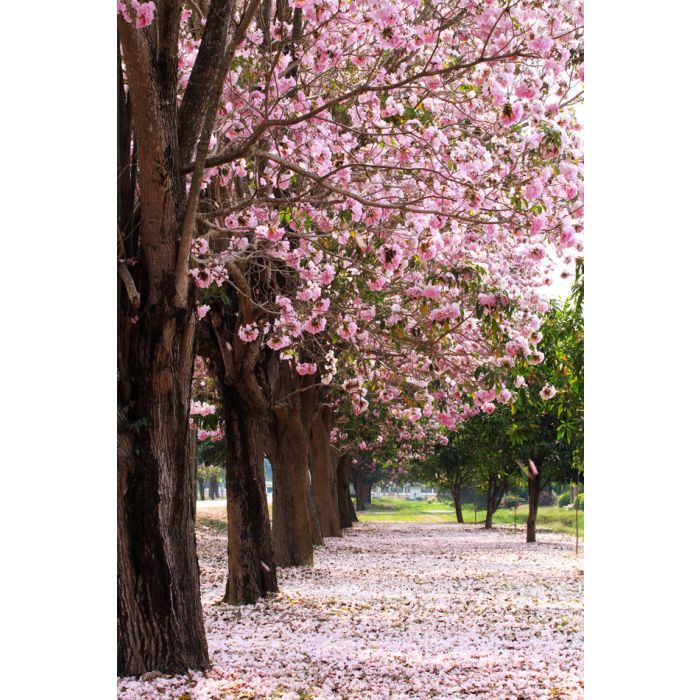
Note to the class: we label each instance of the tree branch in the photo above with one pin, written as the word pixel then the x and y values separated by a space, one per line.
pixel 129 284
pixel 197 94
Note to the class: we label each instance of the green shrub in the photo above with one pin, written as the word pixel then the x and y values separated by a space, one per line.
pixel 564 499
pixel 579 501
pixel 511 501
pixel 547 498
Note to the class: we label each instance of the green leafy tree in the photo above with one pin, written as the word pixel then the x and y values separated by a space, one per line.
pixel 547 425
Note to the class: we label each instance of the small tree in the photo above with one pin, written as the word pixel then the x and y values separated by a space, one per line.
pixel 547 427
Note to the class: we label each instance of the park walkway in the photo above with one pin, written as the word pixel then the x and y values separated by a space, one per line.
pixel 397 610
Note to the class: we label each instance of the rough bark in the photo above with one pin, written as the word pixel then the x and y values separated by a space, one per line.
pixel 324 475
pixel 288 451
pixel 314 522
pixel 192 461
pixel 345 506
pixel 251 563
pixel 159 611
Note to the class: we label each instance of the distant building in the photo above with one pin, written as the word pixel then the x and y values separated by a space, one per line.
pixel 412 491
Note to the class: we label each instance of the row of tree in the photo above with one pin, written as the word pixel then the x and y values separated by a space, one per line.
pixel 346 213
pixel 537 438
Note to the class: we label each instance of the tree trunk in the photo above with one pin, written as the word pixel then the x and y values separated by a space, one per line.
pixel 251 564
pixel 291 526
pixel 359 492
pixel 160 624
pixel 457 498
pixel 202 494
pixel 345 507
pixel 324 476
pixel 358 475
pixel 288 451
pixel 494 495
pixel 192 461
pixel 314 522
pixel 214 487
pixel 533 498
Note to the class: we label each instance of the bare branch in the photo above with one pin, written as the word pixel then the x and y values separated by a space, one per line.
pixel 129 284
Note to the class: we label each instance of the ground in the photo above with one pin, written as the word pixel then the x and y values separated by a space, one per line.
pixel 396 610
pixel 391 509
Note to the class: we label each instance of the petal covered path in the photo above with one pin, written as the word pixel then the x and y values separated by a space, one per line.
pixel 396 610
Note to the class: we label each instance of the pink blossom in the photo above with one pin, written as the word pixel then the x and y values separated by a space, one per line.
pixel 376 285
pixel 431 291
pixel 488 407
pixel 320 307
pixel 537 224
pixel 314 325
pixel 487 299
pixel 200 246
pixel 567 238
pixel 547 392
pixel 523 90
pixel 511 113
pixel 270 232
pixel 239 168
pixel 347 329
pixel 537 251
pixel 248 333
pixel 536 358
pixel 202 311
pixel 445 312
pixel 145 14
pixel 327 276
pixel 277 342
pixel 514 347
pixel 306 368
pixel 390 256
pixel 542 44
pixel 534 190
pixel 368 313
pixel 202 277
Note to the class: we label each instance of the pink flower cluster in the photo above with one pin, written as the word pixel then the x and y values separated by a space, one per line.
pixel 140 13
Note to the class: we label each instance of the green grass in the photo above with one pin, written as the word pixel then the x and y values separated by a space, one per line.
pixel 217 522
pixel 398 510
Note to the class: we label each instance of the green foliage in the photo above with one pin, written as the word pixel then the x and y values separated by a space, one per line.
pixel 479 450
pixel 511 501
pixel 564 499
pixel 550 431
pixel 547 498
pixel 579 502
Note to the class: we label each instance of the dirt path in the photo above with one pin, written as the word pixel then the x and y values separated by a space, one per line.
pixel 397 610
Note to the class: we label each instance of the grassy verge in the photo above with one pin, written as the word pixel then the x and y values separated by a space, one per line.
pixel 398 510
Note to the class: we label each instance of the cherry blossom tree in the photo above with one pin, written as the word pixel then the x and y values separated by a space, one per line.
pixel 390 181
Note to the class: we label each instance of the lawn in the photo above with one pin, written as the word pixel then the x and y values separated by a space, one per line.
pixel 398 510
